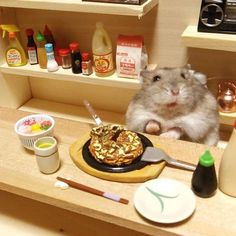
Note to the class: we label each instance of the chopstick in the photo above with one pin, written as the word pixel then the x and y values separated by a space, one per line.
pixel 88 189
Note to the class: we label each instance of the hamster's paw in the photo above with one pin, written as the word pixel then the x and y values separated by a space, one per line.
pixel 174 133
pixel 153 127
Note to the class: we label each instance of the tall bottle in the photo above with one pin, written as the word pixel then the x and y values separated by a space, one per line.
pixel 49 36
pixel 75 58
pixel 102 52
pixel 227 170
pixel 31 47
pixel 51 64
pixel 14 54
pixel 41 51
pixel 50 39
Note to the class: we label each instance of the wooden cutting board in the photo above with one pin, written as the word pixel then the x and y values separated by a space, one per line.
pixel 136 176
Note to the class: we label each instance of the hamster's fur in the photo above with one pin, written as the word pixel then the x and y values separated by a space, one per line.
pixel 173 103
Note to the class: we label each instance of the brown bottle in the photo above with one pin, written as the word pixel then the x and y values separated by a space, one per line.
pixel 204 180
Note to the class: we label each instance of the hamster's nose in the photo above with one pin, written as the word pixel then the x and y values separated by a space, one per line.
pixel 175 91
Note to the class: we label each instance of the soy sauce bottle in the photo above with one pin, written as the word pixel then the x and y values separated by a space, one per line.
pixel 31 47
pixel 204 180
pixel 76 60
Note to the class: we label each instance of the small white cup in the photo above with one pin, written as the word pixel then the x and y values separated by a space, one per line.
pixel 47 156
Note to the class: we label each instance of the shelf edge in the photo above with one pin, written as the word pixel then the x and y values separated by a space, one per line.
pixel 111 81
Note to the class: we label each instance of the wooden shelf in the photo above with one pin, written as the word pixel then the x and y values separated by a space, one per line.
pixel 71 112
pixel 192 38
pixel 79 6
pixel 67 75
pixel 227 118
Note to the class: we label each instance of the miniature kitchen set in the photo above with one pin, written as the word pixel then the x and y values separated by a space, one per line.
pixel 51 113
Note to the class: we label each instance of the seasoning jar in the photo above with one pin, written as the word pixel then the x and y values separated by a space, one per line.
pixel 86 64
pixel 204 180
pixel 65 57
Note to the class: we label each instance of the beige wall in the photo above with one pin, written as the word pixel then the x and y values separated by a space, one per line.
pixel 161 27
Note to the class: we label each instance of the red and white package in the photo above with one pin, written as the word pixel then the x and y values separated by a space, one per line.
pixel 129 56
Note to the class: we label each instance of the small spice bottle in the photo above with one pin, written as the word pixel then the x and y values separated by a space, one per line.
pixel 51 62
pixel 204 180
pixel 87 68
pixel 65 57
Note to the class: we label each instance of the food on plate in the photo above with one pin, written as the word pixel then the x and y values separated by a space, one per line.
pixel 113 145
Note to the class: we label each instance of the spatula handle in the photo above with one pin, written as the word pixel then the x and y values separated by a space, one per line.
pixel 183 164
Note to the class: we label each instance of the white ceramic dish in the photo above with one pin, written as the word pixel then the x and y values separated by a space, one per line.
pixel 164 200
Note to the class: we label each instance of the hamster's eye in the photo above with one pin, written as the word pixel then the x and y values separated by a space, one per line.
pixel 183 75
pixel 156 78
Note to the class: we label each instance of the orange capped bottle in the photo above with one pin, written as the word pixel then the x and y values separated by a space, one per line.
pixel 15 54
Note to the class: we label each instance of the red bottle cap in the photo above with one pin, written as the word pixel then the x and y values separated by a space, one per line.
pixel 29 32
pixel 74 46
pixel 64 51
pixel 85 56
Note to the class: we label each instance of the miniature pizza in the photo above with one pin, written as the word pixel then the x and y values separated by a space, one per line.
pixel 113 145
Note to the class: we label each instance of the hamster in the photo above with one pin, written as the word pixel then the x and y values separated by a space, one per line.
pixel 174 103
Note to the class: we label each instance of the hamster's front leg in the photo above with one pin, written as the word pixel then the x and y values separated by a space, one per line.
pixel 153 127
pixel 174 133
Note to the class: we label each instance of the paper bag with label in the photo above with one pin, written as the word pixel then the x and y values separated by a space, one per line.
pixel 131 56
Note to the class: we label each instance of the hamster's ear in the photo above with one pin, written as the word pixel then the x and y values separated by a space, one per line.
pixel 146 76
pixel 202 78
pixel 187 67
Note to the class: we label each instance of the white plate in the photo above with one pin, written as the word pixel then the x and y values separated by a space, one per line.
pixel 164 200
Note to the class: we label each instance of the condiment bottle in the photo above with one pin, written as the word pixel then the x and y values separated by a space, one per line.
pixel 49 36
pixel 51 63
pixel 50 39
pixel 31 47
pixel 15 54
pixel 75 58
pixel 102 52
pixel 204 180
pixel 66 57
pixel 227 170
pixel 41 51
pixel 87 68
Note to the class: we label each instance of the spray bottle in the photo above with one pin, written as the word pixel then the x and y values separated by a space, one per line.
pixel 15 54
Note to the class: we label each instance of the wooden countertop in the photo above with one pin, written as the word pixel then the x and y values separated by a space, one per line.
pixel 19 175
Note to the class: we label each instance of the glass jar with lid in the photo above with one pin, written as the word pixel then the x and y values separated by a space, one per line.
pixel 65 57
